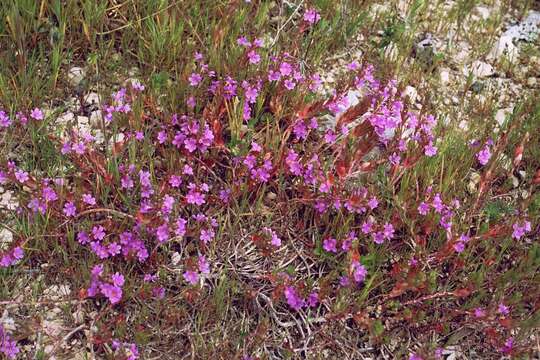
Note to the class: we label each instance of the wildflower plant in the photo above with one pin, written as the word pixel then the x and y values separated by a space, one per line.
pixel 259 191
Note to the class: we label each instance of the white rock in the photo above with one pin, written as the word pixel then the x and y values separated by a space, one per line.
pixel 176 258
pixel 76 75
pixel 504 48
pixel 463 54
pixel 411 93
pixel 96 119
pixel 92 98
pixel 481 69
pixel 482 12
pixel 8 201
pixel 445 76
pixel 391 52
pixel 6 237
pixel 65 118
pixel 501 115
pixel 52 328
pixel 531 82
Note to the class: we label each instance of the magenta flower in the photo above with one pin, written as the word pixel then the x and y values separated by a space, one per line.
pixel 503 309
pixel 253 57
pixel 359 271
pixel 195 79
pixel 285 69
pixel 204 266
pixel 118 279
pixel 430 150
pixel 98 233
pixel 89 199
pixel 70 209
pixel 162 233
pixel 112 292
pixel 313 299
pixel 330 245
pixel 191 277
pixel 311 16
pixel 293 299
pixel 484 155
pixel 37 114
pixel 21 176
pixel 423 208
pixel 479 312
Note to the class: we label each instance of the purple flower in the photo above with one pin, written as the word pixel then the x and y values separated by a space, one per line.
pixel 191 277
pixel 195 79
pixel 373 203
pixel 359 271
pixel 8 346
pixel 503 309
pixel 293 299
pixel 162 233
pixel 21 176
pixel 204 266
pixel 112 292
pixel 484 155
pixel 285 69
pixel 289 84
pixel 37 114
pixel 388 231
pixel 330 245
pixel 313 299
pixel 207 235
pixel 88 199
pixel 311 16
pixel 423 208
pixel 459 247
pixel 430 150
pixel 70 209
pixel 98 232
pixel 118 279
pixel 254 58
pixel 479 312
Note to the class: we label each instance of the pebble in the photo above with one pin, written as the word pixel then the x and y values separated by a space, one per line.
pixel 92 98
pixel 531 82
pixel 482 12
pixel 481 69
pixel 445 76
pixel 96 119
pixel 501 115
pixel 6 237
pixel 76 75
pixel 411 93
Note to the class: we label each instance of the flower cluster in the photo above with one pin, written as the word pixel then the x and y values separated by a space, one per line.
pixel 111 289
pixel 8 346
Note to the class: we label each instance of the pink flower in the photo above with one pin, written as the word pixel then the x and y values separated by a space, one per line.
pixel 311 16
pixel 37 114
pixel 423 208
pixel 430 150
pixel 359 271
pixel 204 266
pixel 195 79
pixel 21 176
pixel 373 203
pixel 98 233
pixel 191 277
pixel 484 155
pixel 330 245
pixel 70 209
pixel 254 58
pixel 293 299
pixel 118 279
pixel 88 199
pixel 479 312
pixel 503 309
pixel 285 69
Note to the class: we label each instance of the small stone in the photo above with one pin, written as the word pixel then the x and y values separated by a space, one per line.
pixel 481 69
pixel 482 12
pixel 391 52
pixel 65 118
pixel 411 93
pixel 515 181
pixel 531 82
pixel 6 237
pixel 501 115
pixel 93 99
pixel 445 76
pixel 176 258
pixel 76 75
pixel 96 119
pixel 504 48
